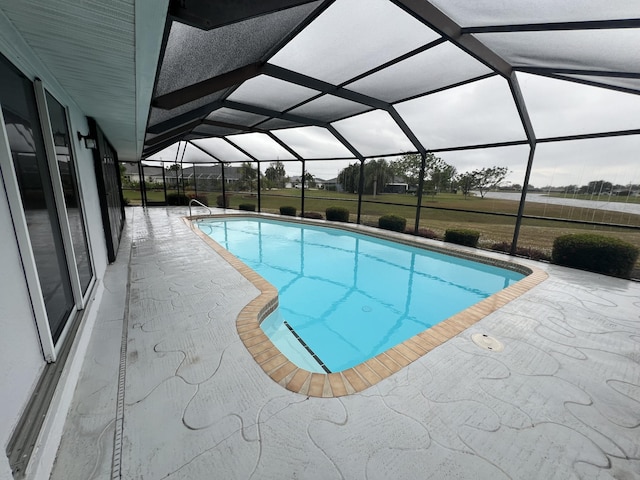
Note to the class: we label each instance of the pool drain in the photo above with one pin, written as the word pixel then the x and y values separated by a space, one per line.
pixel 366 308
pixel 486 342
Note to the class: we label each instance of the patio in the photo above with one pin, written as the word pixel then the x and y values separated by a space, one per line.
pixel 561 400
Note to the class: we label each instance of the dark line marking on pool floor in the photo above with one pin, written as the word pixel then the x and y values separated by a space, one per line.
pixel 307 348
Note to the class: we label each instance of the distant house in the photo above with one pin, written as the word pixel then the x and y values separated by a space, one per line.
pixel 295 181
pixel 154 174
pixel 208 173
pixel 396 187
pixel 158 175
pixel 333 185
pixel 131 172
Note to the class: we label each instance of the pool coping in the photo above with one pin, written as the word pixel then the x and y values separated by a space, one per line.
pixel 383 365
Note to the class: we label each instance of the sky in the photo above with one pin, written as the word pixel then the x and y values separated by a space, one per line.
pixel 475 113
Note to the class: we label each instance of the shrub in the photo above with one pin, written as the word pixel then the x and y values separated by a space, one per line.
pixel 392 222
pixel 422 232
pixel 288 210
pixel 595 253
pixel 314 215
pixel 177 199
pixel 528 252
pixel 249 207
pixel 461 236
pixel 337 214
pixel 501 247
pixel 223 200
pixel 533 253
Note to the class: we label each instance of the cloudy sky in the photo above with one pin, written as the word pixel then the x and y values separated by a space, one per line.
pixel 480 112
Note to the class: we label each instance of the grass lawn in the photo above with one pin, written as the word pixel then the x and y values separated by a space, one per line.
pixel 436 207
pixel 444 211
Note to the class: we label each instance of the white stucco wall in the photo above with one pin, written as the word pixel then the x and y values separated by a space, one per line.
pixel 21 358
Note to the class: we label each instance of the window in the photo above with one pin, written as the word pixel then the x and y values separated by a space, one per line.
pixel 17 100
pixel 66 167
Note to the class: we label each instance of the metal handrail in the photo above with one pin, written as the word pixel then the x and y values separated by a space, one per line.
pixel 193 200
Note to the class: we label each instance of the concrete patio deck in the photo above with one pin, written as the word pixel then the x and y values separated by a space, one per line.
pixel 561 401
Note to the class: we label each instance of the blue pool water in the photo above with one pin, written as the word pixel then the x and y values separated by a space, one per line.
pixel 349 297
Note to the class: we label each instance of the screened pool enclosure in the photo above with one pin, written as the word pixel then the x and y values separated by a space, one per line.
pixel 548 94
pixel 520 120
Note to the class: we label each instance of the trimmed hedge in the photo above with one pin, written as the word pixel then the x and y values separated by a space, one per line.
pixel 314 215
pixel 249 207
pixel 337 214
pixel 288 210
pixel 462 236
pixel 392 222
pixel 595 253
pixel 177 199
pixel 223 200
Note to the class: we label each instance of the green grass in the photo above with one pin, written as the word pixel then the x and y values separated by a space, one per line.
pixel 319 200
pixel 445 211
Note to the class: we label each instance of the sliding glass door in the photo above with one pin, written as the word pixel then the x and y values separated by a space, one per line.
pixel 27 152
pixel 67 171
pixel 41 183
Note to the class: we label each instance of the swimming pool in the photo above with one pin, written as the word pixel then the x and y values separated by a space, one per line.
pixel 347 297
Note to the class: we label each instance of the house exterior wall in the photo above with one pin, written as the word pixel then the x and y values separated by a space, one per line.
pixel 21 357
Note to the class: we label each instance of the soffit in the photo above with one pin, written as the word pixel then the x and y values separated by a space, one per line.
pixel 90 48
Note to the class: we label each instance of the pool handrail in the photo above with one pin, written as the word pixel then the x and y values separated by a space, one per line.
pixel 193 200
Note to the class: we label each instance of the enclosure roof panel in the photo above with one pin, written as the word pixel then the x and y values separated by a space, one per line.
pixel 516 12
pixel 350 38
pixel 380 76
pixel 261 147
pixel 155 73
pixel 189 57
pixel 313 142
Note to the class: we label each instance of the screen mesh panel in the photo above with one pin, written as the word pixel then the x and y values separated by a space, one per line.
pixel 352 37
pixel 477 113
pixel 313 142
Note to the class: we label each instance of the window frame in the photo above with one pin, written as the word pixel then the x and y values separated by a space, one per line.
pixel 50 348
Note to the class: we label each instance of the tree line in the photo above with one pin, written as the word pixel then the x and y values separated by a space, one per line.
pixel 439 176
pixel 598 187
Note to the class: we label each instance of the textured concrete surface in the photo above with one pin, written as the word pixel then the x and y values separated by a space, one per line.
pixel 86 449
pixel 561 401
